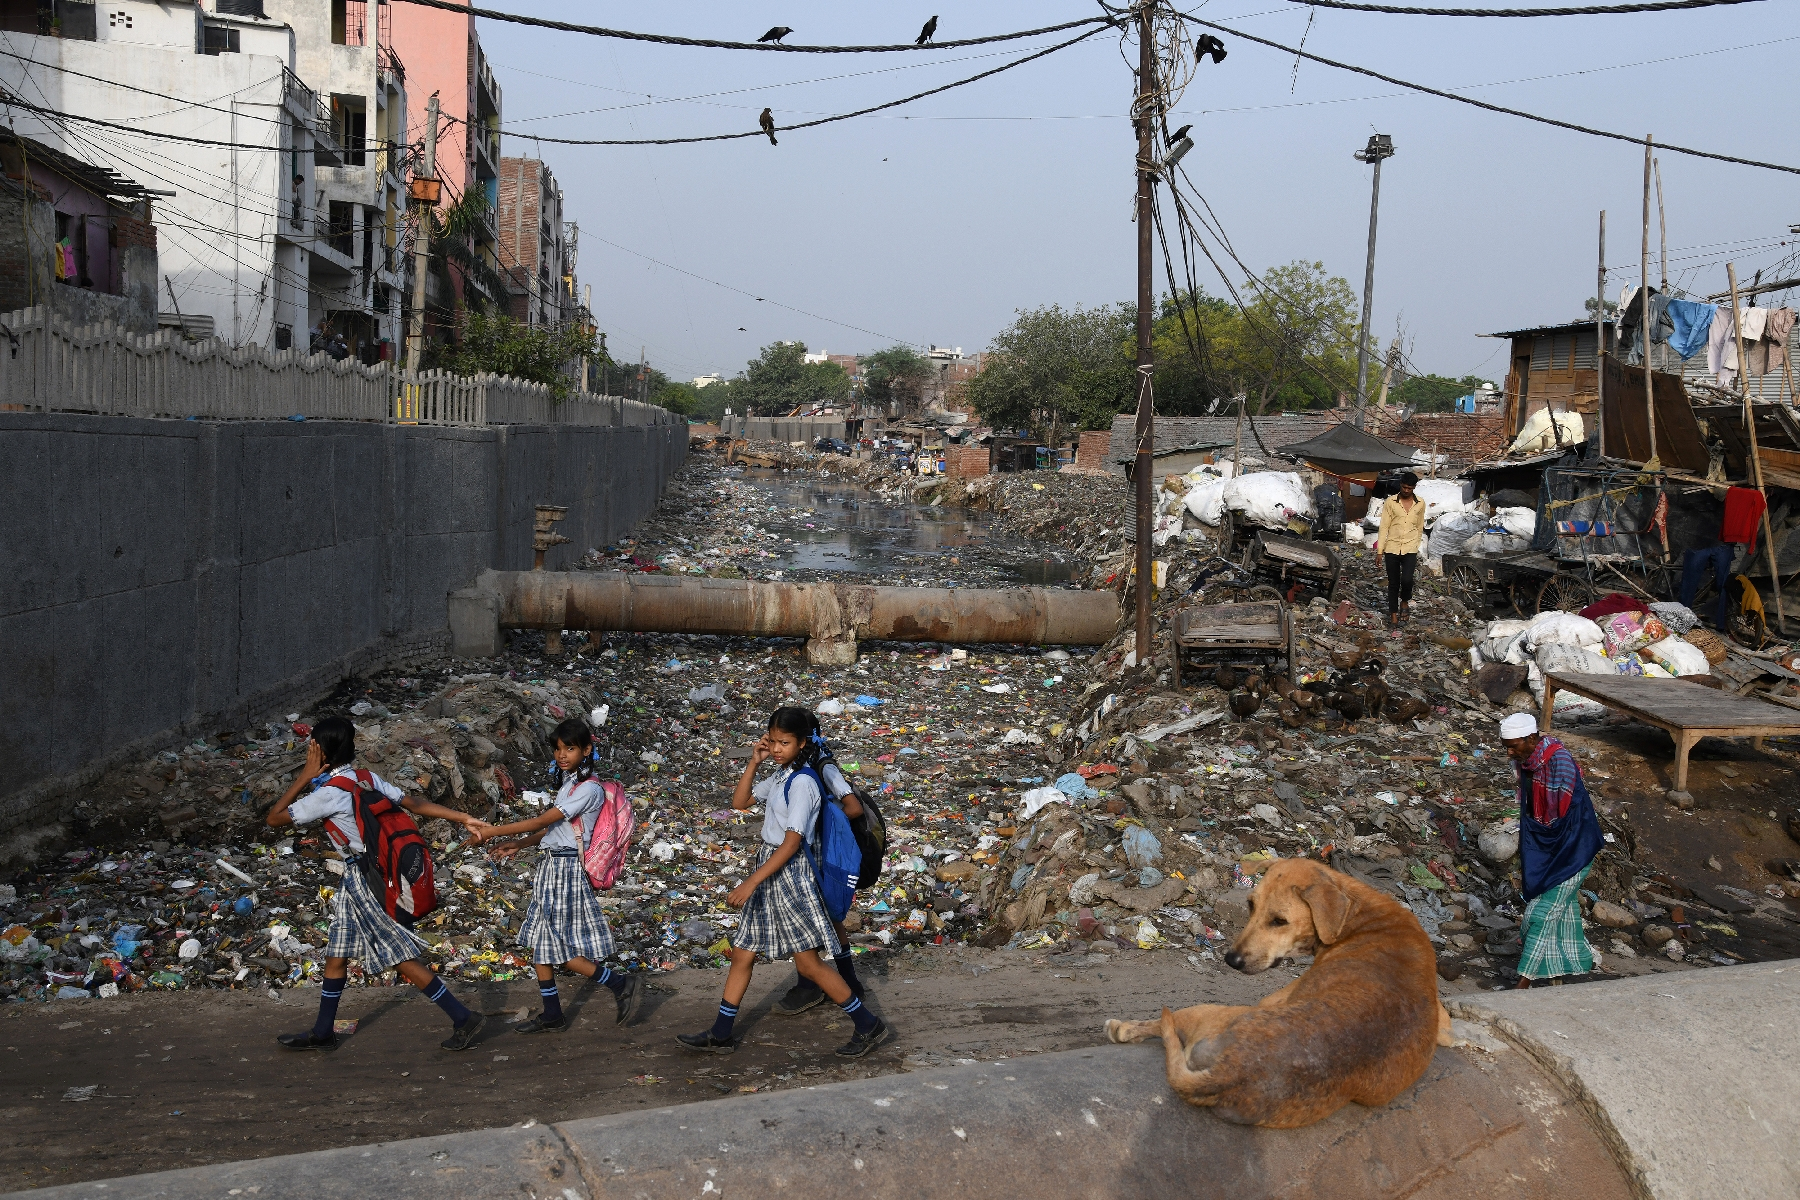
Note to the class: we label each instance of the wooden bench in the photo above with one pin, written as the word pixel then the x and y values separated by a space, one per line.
pixel 1688 711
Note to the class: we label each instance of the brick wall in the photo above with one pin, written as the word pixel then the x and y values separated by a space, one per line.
pixel 964 462
pixel 1093 449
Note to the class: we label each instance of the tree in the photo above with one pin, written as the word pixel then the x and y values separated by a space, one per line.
pixel 495 344
pixel 1612 308
pixel 453 242
pixel 780 380
pixel 1055 368
pixel 1434 393
pixel 896 375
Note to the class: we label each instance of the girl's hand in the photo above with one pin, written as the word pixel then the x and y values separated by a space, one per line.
pixel 479 832
pixel 315 759
pixel 504 851
pixel 740 895
pixel 760 752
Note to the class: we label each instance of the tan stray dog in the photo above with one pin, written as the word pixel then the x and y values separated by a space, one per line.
pixel 1360 1025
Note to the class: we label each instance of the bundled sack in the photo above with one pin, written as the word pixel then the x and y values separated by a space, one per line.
pixel 1520 522
pixel 1567 628
pixel 1629 632
pixel 1487 544
pixel 1501 642
pixel 1442 497
pixel 1453 531
pixel 1566 659
pixel 1206 501
pixel 1678 617
pixel 1677 657
pixel 1269 498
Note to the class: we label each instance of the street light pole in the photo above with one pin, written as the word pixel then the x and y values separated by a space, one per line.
pixel 1380 146
pixel 424 191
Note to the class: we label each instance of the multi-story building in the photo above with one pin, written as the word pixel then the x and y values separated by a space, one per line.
pixel 359 196
pixel 443 55
pixel 537 247
pixel 227 135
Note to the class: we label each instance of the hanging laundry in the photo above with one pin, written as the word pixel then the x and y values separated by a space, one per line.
pixel 1743 509
pixel 1721 348
pixel 1631 317
pixel 1770 353
pixel 1754 319
pixel 1692 321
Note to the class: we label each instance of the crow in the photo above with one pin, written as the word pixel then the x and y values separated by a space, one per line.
pixel 781 31
pixel 768 126
pixel 1208 44
pixel 927 33
pixel 1179 134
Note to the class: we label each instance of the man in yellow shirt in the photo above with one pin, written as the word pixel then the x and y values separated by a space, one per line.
pixel 1402 529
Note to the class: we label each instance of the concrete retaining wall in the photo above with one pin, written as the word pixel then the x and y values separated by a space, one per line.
pixel 166 577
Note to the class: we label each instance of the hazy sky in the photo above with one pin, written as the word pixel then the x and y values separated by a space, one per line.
pixel 933 222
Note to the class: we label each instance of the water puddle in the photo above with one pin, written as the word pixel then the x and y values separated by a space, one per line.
pixel 842 529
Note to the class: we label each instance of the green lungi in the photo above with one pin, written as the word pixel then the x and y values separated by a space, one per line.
pixel 1554 943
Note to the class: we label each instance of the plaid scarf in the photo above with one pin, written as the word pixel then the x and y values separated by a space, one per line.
pixel 1550 774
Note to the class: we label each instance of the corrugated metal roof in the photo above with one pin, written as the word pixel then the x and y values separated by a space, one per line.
pixel 1262 435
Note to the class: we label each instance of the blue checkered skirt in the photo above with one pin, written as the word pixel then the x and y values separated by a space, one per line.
pixel 564 919
pixel 785 915
pixel 361 928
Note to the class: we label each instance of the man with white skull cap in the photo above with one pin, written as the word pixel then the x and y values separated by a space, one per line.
pixel 1559 835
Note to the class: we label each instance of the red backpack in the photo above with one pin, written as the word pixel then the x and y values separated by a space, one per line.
pixel 603 852
pixel 396 863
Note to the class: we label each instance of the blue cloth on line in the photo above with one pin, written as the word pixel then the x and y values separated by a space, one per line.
pixel 1692 320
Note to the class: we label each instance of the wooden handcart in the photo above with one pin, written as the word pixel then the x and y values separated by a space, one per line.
pixel 1261 631
pixel 1293 565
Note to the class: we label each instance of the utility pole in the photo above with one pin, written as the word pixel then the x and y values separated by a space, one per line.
pixel 1380 146
pixel 1144 466
pixel 424 191
pixel 1644 297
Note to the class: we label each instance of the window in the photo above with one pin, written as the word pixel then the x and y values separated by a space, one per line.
pixel 118 18
pixel 220 40
pixel 284 337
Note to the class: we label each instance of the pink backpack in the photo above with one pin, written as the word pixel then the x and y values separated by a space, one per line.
pixel 603 854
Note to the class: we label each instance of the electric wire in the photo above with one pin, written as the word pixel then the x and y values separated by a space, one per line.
pixel 1511 112
pixel 861 112
pixel 773 47
pixel 1590 11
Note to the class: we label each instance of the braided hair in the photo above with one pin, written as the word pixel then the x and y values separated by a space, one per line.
pixel 802 724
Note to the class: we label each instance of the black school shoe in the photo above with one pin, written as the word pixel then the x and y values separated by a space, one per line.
pixel 306 1041
pixel 465 1034
pixel 629 998
pixel 803 995
pixel 706 1043
pixel 860 1044
pixel 536 1023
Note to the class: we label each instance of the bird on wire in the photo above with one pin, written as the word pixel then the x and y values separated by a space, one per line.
pixel 1208 44
pixel 768 126
pixel 1179 134
pixel 927 33
pixel 781 31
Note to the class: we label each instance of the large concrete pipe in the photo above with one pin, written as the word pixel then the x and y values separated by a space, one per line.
pixel 831 616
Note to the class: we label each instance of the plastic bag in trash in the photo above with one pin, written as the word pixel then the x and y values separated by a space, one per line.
pixel 1075 787
pixel 1036 798
pixel 830 708
pixel 1141 846
pixel 709 692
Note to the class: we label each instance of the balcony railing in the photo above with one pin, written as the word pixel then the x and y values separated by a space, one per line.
pixel 341 237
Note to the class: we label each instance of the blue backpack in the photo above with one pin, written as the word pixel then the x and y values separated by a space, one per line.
pixel 838 862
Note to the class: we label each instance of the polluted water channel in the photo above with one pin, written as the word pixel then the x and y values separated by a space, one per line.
pixel 841 529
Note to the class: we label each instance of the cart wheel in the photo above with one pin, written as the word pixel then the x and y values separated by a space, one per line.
pixel 1523 594
pixel 1263 591
pixel 1466 584
pixel 1565 592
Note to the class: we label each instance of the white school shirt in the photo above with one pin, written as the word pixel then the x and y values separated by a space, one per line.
pixel 576 800
pixel 338 808
pixel 798 810
pixel 834 779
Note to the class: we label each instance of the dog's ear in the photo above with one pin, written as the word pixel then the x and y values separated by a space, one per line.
pixel 1330 904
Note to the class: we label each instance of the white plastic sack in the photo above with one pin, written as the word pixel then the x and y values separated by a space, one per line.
pixel 1441 496
pixel 1678 657
pixel 1488 544
pixel 1498 641
pixel 1520 521
pixel 1036 798
pixel 1537 435
pixel 1569 659
pixel 1269 498
pixel 1206 501
pixel 1453 531
pixel 1372 518
pixel 1570 628
pixel 1353 533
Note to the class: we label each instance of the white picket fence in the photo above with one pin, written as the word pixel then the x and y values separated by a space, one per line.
pixel 50 365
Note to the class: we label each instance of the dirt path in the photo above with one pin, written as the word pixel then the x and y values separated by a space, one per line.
pixel 196 1077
